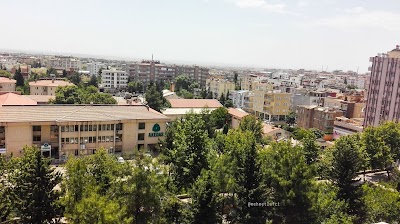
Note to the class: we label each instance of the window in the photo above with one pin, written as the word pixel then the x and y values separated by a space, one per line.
pixel 76 152
pixel 37 138
pixel 119 126
pixel 37 128
pixel 140 146
pixel 141 136
pixel 142 126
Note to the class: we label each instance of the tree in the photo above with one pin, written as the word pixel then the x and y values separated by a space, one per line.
pixel 19 78
pixel 235 78
pixel 182 82
pixel 346 162
pixel 222 99
pixel 93 81
pixel 219 117
pixel 155 99
pixel 64 73
pixel 382 204
pixel 187 154
pixel 35 197
pixel 204 196
pixel 228 103
pixel 81 95
pixel 310 148
pixel 291 179
pixel 6 205
pixel 5 73
pixel 379 152
pixel 252 124
pixel 246 172
pixel 291 118
pixel 75 78
pixel 135 87
pixel 185 94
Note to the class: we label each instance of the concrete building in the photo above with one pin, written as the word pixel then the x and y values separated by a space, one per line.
pixel 236 116
pixel 219 86
pixel 271 105
pixel 47 87
pixel 114 79
pixel 64 63
pixel 277 134
pixel 382 95
pixel 77 130
pixel 321 118
pixel 94 67
pixel 7 84
pixel 248 104
pixel 345 126
pixel 150 70
pixel 237 97
pixel 12 99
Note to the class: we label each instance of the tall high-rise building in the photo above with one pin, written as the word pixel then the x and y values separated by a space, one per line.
pixel 383 93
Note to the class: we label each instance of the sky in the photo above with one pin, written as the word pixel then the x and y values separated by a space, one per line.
pixel 310 34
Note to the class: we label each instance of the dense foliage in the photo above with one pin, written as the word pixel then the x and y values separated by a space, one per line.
pixel 81 95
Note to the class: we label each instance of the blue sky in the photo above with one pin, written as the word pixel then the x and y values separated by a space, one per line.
pixel 296 34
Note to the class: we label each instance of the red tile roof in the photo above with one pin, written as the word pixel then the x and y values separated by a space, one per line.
pixel 194 103
pixel 237 113
pixel 13 99
pixel 7 80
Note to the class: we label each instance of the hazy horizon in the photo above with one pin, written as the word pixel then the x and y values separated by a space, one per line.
pixel 289 34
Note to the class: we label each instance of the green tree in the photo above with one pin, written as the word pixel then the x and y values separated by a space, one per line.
pixel 135 87
pixel 310 148
pixel 75 78
pixel 6 205
pixel 185 94
pixel 155 99
pixel 81 95
pixel 36 200
pixel 5 73
pixel 219 117
pixel 291 179
pixel 174 211
pixel 93 81
pixel 382 204
pixel 346 162
pixel 19 78
pixel 64 73
pixel 291 118
pixel 235 78
pixel 228 103
pixel 252 124
pixel 204 196
pixel 189 149
pixel 222 99
pixel 246 172
pixel 182 82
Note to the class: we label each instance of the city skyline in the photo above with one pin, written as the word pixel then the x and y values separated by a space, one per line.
pixel 244 33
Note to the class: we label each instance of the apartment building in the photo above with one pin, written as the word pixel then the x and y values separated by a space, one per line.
pixel 47 87
pixel 63 131
pixel 346 126
pixel 248 104
pixel 114 79
pixel 237 97
pixel 271 105
pixel 147 71
pixel 94 67
pixel 383 96
pixel 247 81
pixel 64 63
pixel 7 84
pixel 219 86
pixel 318 117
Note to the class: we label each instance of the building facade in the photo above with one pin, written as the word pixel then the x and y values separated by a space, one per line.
pixel 64 63
pixel 7 84
pixel 114 79
pixel 344 126
pixel 219 86
pixel 318 117
pixel 94 67
pixel 47 87
pixel 383 96
pixel 271 105
pixel 155 71
pixel 77 130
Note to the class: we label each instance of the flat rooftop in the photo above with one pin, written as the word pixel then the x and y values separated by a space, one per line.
pixel 79 113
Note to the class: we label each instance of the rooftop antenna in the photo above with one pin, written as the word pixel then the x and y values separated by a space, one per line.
pixel 152 57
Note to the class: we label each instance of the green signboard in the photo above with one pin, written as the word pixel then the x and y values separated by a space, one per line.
pixel 156 131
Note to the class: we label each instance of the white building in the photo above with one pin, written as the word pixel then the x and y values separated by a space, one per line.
pixel 94 67
pixel 114 79
pixel 66 63
pixel 238 98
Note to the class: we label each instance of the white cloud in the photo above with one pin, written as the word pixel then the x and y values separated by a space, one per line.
pixel 302 4
pixel 278 8
pixel 360 17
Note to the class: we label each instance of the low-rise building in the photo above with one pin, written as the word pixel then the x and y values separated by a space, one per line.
pixel 275 133
pixel 77 130
pixel 180 107
pixel 12 99
pixel 236 116
pixel 318 117
pixel 47 87
pixel 345 126
pixel 7 84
